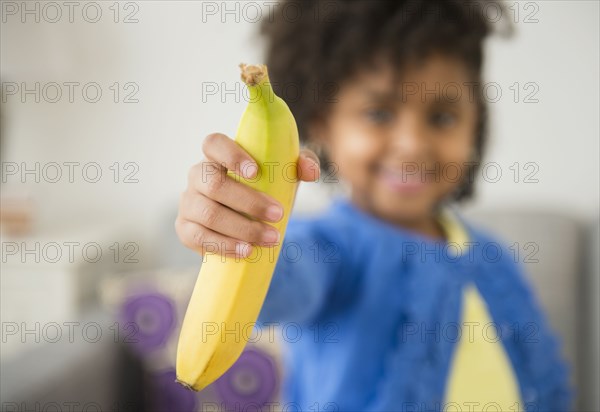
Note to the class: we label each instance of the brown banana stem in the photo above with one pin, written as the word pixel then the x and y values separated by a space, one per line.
pixel 252 74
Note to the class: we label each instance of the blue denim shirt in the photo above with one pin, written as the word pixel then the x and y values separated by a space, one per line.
pixel 369 314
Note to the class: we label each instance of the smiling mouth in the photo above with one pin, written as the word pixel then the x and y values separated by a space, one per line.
pixel 409 182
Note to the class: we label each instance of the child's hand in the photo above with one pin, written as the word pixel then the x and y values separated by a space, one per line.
pixel 211 209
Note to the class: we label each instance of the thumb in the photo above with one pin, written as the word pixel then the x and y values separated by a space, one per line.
pixel 308 166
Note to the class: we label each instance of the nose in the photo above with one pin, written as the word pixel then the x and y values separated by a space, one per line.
pixel 408 138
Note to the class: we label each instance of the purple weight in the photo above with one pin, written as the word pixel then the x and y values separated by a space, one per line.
pixel 170 396
pixel 251 380
pixel 147 321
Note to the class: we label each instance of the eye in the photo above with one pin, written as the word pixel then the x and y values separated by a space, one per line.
pixel 379 116
pixel 442 119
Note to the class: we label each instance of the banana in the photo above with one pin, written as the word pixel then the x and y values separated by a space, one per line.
pixel 230 292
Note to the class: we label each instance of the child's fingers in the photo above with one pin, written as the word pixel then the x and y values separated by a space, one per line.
pixel 198 208
pixel 204 240
pixel 212 181
pixel 308 166
pixel 221 149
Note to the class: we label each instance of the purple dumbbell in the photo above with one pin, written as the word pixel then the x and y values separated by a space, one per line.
pixel 251 380
pixel 147 321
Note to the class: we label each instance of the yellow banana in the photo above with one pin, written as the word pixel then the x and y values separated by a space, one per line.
pixel 229 292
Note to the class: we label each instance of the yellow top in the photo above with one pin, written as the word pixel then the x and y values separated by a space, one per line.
pixel 481 376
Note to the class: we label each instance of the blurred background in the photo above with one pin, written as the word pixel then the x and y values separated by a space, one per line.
pixel 104 108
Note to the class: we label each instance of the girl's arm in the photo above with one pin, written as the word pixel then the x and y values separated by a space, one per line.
pixel 307 268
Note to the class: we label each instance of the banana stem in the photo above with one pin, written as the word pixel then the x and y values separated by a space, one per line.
pixel 256 78
pixel 253 74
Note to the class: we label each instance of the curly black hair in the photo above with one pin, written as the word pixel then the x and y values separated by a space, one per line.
pixel 317 45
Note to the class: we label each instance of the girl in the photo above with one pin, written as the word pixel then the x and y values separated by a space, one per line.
pixel 407 308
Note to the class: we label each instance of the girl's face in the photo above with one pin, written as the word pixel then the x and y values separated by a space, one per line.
pixel 403 148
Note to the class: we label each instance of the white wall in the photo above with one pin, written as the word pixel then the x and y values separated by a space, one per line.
pixel 560 133
pixel 170 52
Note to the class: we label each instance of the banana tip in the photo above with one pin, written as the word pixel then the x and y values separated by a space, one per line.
pixel 186 385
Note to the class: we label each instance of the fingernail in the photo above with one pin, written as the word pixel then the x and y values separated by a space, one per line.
pixel 270 236
pixel 243 249
pixel 274 213
pixel 249 169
